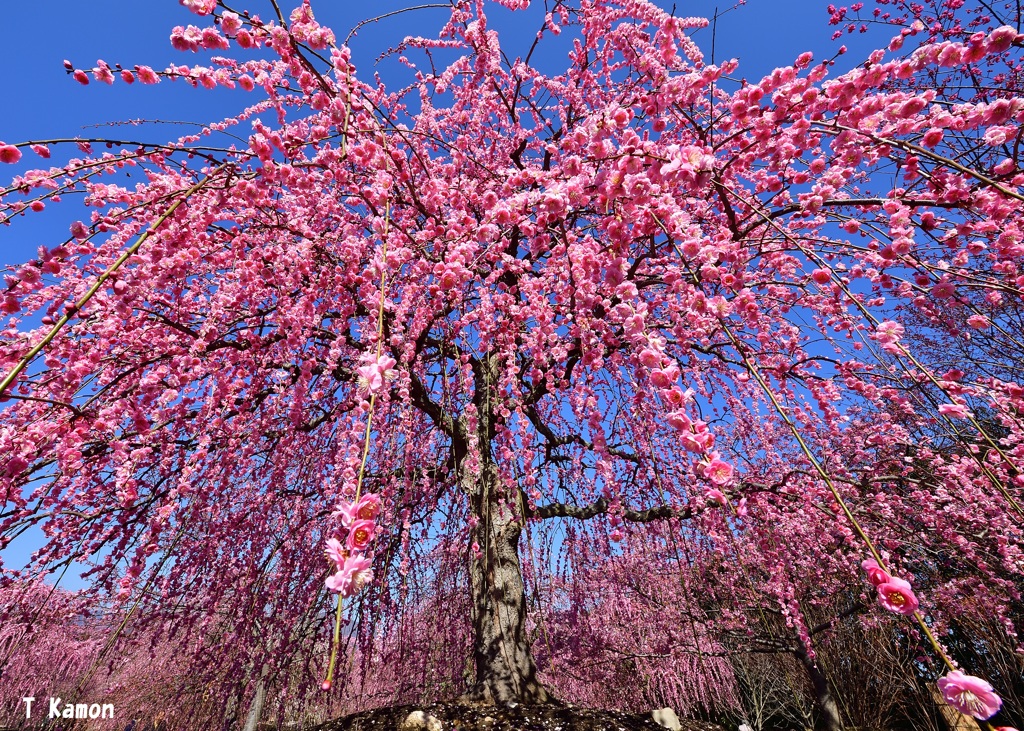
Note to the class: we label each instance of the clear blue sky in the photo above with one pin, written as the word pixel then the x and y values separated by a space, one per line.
pixel 42 102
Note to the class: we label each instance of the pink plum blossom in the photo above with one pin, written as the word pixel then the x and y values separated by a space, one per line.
pixel 664 377
pixel 970 695
pixel 896 595
pixel 368 507
pixel 347 512
pixel 888 332
pixel 230 22
pixel 103 73
pixel 375 372
pixel 9 153
pixel 336 552
pixel 352 576
pixel 200 7
pixel 1002 38
pixel 718 471
pixel 954 411
pixel 821 276
pixel 147 75
pixel 339 582
pixel 715 497
pixel 876 575
pixel 360 533
pixel 650 358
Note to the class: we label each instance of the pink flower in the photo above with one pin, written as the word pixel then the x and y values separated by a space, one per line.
pixel 650 358
pixel 360 533
pixel 368 507
pixel 375 372
pixel 675 397
pixel 876 574
pixel 821 276
pixel 147 75
pixel 699 440
pixel 897 596
pixel 932 137
pixel 200 7
pixel 954 411
pixel 339 582
pixel 102 73
pixel 970 695
pixel 352 576
pixel 79 231
pixel 230 23
pixel 998 41
pixel 336 552
pixel 716 497
pixel 9 154
pixel 978 322
pixel 664 377
pixel 679 421
pixel 212 39
pixel 347 513
pixel 370 378
pixel 888 332
pixel 81 77
pixel 718 470
pixel 42 150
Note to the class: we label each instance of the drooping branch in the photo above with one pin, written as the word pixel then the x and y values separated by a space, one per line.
pixel 601 506
pixel 75 308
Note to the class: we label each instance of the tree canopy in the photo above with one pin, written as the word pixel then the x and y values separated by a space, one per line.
pixel 636 355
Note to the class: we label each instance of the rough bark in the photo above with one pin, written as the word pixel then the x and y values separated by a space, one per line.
pixel 256 709
pixel 828 709
pixel 505 670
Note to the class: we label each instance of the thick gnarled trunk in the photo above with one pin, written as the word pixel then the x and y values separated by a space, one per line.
pixel 505 670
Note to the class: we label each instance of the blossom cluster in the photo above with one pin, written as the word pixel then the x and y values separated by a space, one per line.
pixel 374 372
pixel 894 593
pixel 351 559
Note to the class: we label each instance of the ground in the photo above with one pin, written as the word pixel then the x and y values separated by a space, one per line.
pixel 454 717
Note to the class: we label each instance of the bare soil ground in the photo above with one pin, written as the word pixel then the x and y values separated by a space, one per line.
pixel 454 717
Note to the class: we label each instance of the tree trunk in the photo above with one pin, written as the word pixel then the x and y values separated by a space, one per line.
pixel 505 670
pixel 256 709
pixel 823 698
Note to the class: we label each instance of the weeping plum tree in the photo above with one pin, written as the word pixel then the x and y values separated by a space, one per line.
pixel 500 325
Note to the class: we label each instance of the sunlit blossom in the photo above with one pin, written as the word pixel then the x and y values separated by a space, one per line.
pixel 970 695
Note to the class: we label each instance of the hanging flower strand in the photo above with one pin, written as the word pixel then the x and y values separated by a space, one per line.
pixel 970 695
pixel 973 696
pixel 351 561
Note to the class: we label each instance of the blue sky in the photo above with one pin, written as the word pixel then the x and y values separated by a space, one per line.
pixel 43 102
